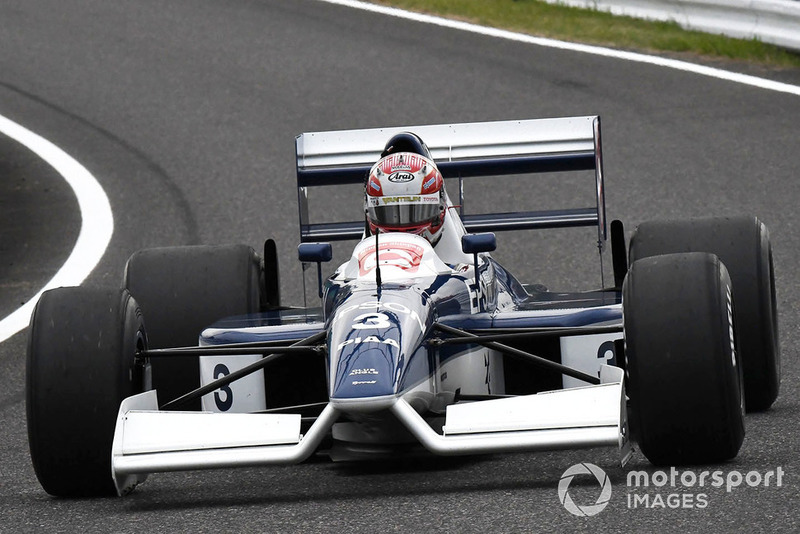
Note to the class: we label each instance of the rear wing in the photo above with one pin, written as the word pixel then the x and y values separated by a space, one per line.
pixel 461 151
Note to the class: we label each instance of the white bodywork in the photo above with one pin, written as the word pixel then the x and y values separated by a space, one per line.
pixel 245 395
pixel 588 354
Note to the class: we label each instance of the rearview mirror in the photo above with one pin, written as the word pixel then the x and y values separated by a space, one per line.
pixel 475 243
pixel 315 252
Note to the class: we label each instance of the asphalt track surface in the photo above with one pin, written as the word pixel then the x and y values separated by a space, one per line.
pixel 186 113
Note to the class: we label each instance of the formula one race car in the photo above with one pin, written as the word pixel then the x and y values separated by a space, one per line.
pixel 422 341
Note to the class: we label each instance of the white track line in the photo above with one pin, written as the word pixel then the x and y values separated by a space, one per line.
pixel 96 227
pixel 745 79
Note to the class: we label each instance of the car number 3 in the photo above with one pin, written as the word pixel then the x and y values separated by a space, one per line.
pixel 371 320
pixel 223 404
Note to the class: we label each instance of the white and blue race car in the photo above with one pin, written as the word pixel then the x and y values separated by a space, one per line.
pixel 413 347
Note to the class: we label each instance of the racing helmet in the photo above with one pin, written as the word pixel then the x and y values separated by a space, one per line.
pixel 405 190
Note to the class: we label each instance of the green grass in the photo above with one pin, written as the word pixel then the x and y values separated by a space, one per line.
pixel 538 18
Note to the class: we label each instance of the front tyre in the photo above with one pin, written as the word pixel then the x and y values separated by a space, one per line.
pixel 684 375
pixel 81 364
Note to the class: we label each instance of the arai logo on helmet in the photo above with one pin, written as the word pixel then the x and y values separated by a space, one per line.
pixel 401 177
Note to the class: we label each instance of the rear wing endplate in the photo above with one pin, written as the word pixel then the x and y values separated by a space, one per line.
pixel 461 151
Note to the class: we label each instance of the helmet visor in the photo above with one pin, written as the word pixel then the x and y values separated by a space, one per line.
pixel 402 211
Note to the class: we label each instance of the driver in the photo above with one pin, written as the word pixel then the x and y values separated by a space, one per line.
pixel 405 190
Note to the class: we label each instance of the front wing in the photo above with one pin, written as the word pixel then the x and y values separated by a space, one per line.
pixel 147 440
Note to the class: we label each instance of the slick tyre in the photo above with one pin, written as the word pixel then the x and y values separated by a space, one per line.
pixel 684 378
pixel 80 365
pixel 743 245
pixel 183 290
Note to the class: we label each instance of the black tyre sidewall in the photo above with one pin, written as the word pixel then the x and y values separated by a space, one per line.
pixel 80 366
pixel 682 381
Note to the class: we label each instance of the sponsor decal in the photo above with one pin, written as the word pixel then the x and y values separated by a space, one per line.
pixel 401 200
pixel 369 371
pixel 399 254
pixel 401 177
pixel 368 339
pixel 416 199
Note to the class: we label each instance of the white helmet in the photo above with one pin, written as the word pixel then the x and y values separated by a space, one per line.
pixel 405 190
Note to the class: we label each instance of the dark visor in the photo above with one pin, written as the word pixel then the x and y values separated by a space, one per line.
pixel 403 214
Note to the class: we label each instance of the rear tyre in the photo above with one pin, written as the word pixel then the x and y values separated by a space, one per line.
pixel 80 365
pixel 684 379
pixel 743 245
pixel 183 290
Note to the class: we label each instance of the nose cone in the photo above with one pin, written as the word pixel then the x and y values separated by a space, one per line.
pixel 373 342
pixel 368 367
